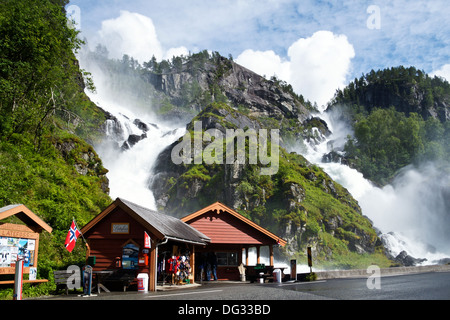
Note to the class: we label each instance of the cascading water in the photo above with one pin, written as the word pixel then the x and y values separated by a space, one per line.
pixel 133 140
pixel 412 213
pixel 131 169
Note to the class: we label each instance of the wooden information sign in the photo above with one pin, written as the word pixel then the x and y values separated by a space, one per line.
pixel 18 241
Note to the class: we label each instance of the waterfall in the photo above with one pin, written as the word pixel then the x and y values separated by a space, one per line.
pixel 130 168
pixel 411 213
pixel 133 140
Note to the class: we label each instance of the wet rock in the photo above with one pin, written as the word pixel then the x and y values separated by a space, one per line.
pixel 408 261
pixel 132 140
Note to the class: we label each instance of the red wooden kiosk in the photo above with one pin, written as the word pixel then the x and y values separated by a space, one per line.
pixel 231 233
pixel 116 239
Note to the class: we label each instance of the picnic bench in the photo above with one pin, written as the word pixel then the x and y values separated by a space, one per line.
pixel 61 278
pixel 259 271
pixel 122 278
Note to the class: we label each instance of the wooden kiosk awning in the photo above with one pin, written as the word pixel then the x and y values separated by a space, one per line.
pixel 26 216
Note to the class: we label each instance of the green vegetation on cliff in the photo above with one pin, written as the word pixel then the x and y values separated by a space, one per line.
pixel 40 82
pixel 45 118
pixel 400 116
pixel 387 140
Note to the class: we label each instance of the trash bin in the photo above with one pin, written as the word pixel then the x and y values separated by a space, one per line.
pixel 277 275
pixel 261 277
pixel 142 282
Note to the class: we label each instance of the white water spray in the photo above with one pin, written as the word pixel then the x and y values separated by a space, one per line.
pixel 129 170
pixel 411 213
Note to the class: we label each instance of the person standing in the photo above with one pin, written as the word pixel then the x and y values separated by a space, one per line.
pixel 212 264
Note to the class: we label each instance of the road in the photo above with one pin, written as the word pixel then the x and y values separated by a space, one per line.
pixel 220 300
pixel 422 286
pixel 425 286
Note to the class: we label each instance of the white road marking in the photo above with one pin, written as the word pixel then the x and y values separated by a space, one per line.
pixel 181 294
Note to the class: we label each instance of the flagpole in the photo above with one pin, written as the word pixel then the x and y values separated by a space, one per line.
pixel 79 230
pixel 88 250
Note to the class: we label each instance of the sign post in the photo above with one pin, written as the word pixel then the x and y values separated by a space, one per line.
pixel 309 259
pixel 87 280
pixel 294 270
pixel 18 280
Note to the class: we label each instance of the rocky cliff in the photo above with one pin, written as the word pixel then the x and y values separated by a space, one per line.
pixel 84 159
pixel 199 82
pixel 179 91
pixel 299 202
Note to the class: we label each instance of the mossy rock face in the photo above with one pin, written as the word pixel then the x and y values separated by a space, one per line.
pixel 300 202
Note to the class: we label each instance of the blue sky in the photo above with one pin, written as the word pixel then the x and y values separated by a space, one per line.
pixel 325 43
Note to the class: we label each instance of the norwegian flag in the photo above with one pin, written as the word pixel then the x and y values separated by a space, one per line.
pixel 72 237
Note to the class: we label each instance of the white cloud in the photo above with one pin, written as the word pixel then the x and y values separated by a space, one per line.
pixel 135 35
pixel 320 65
pixel 443 72
pixel 176 52
pixel 265 63
pixel 317 65
pixel 132 34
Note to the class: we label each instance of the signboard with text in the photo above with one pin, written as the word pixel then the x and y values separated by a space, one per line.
pixel 17 242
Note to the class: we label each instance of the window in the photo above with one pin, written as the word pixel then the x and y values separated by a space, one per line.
pixel 227 258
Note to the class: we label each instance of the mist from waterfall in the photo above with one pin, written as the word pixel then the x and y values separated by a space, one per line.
pixel 411 214
pixel 129 170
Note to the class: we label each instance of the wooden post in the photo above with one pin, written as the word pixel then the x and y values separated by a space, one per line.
pixel 258 258
pixel 153 265
pixel 294 270
pixel 246 256
pixel 240 255
pixel 192 263
pixel 309 258
pixel 271 254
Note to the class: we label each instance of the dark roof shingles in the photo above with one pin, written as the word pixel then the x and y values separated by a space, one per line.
pixel 169 226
